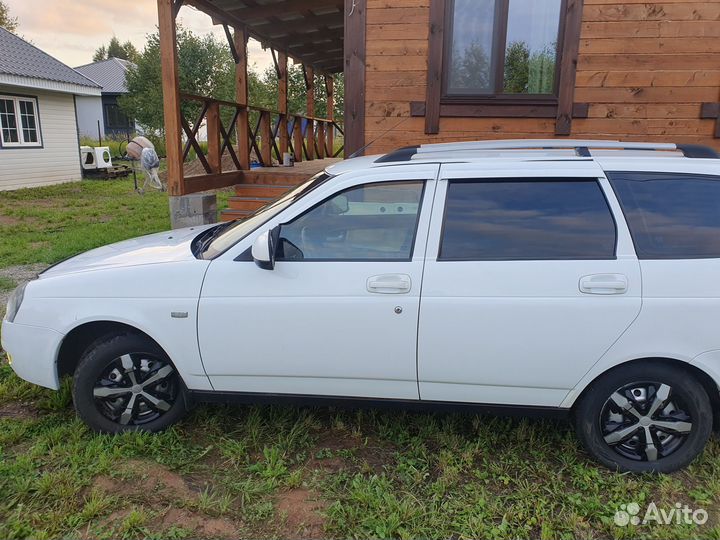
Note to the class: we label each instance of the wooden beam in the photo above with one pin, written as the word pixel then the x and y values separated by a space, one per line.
pixel 435 66
pixel 176 7
pixel 298 139
pixel 282 62
pixel 355 55
pixel 171 97
pixel 241 96
pixel 214 157
pixel 204 182
pixel 231 43
pixel 568 66
pixel 282 8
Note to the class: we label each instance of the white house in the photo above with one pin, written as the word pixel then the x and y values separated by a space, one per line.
pixel 39 141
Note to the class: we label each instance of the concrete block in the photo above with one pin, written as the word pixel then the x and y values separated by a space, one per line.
pixel 193 210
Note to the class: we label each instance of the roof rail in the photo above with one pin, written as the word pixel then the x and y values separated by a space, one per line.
pixel 582 148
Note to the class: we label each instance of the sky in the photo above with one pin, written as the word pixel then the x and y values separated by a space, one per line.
pixel 71 31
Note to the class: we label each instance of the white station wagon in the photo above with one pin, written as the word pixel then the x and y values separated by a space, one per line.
pixel 580 278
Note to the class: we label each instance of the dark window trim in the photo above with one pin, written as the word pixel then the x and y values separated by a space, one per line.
pixel 613 257
pixel 560 106
pixel 39 125
pixel 671 176
pixel 415 233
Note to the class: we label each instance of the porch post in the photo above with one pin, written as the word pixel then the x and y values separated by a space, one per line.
pixel 171 97
pixel 241 97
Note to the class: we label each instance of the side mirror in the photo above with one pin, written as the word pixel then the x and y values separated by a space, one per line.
pixel 265 248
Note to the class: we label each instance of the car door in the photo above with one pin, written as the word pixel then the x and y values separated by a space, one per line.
pixel 337 316
pixel 529 281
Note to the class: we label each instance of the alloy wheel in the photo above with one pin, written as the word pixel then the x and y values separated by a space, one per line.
pixel 645 421
pixel 136 388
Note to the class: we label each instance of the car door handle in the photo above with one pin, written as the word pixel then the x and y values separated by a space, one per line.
pixel 389 284
pixel 604 284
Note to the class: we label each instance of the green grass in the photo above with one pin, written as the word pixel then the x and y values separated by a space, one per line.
pixel 48 224
pixel 6 284
pixel 279 472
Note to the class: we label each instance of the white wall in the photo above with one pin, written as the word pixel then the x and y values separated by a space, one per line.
pixel 89 112
pixel 59 159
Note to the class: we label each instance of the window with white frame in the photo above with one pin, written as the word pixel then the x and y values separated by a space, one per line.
pixel 19 124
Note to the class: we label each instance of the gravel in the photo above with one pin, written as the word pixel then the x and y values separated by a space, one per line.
pixel 19 274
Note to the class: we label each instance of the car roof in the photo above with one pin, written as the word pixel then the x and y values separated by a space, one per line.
pixel 609 155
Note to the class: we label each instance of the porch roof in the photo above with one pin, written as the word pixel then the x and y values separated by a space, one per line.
pixel 309 31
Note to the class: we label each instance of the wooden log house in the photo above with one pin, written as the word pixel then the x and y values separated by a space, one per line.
pixel 421 71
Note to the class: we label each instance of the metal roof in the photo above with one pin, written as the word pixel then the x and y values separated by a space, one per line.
pixel 19 58
pixel 110 74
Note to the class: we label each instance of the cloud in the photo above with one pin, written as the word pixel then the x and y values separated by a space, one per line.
pixel 71 31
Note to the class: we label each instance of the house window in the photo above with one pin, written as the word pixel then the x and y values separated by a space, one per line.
pixel 115 118
pixel 502 48
pixel 19 124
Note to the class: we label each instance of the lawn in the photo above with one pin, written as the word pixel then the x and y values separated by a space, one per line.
pixel 278 472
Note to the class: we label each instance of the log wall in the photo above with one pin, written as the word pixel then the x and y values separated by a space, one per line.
pixel 644 67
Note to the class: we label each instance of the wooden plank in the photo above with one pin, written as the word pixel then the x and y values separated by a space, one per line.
pixel 214 156
pixel 648 11
pixel 568 66
pixel 241 96
pixel 635 79
pixel 433 90
pixel 171 97
pixel 355 64
pixel 266 139
pixel 282 8
pixel 647 95
pixel 283 102
pixel 391 47
pixel 588 62
pixel 298 139
pixel 194 184
pixel 656 29
pixel 398 15
pixel 649 46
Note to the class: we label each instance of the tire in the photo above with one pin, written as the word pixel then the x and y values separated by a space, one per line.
pixel 118 369
pixel 664 401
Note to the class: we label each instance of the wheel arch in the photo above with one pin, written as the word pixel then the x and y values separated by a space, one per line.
pixel 700 375
pixel 80 338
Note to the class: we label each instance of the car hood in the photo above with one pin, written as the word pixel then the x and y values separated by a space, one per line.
pixel 170 246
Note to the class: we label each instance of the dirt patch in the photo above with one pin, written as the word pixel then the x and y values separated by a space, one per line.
pixel 141 478
pixel 19 274
pixel 299 510
pixel 201 526
pixel 18 411
pixel 9 221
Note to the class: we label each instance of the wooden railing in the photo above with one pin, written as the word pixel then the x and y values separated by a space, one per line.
pixel 238 130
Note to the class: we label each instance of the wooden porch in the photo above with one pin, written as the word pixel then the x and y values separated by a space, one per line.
pixel 263 185
pixel 241 136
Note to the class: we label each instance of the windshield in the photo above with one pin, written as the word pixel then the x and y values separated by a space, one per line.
pixel 239 229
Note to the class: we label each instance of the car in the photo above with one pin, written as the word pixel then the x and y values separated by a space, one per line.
pixel 568 278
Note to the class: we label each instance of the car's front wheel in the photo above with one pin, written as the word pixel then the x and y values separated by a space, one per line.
pixel 645 418
pixel 126 382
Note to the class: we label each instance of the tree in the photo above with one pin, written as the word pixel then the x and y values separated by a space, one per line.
pixel 206 69
pixel 115 49
pixel 6 21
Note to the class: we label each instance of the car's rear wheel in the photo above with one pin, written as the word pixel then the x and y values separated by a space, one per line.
pixel 645 418
pixel 125 383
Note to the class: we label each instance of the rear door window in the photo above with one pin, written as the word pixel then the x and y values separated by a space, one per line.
pixel 671 215
pixel 528 219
